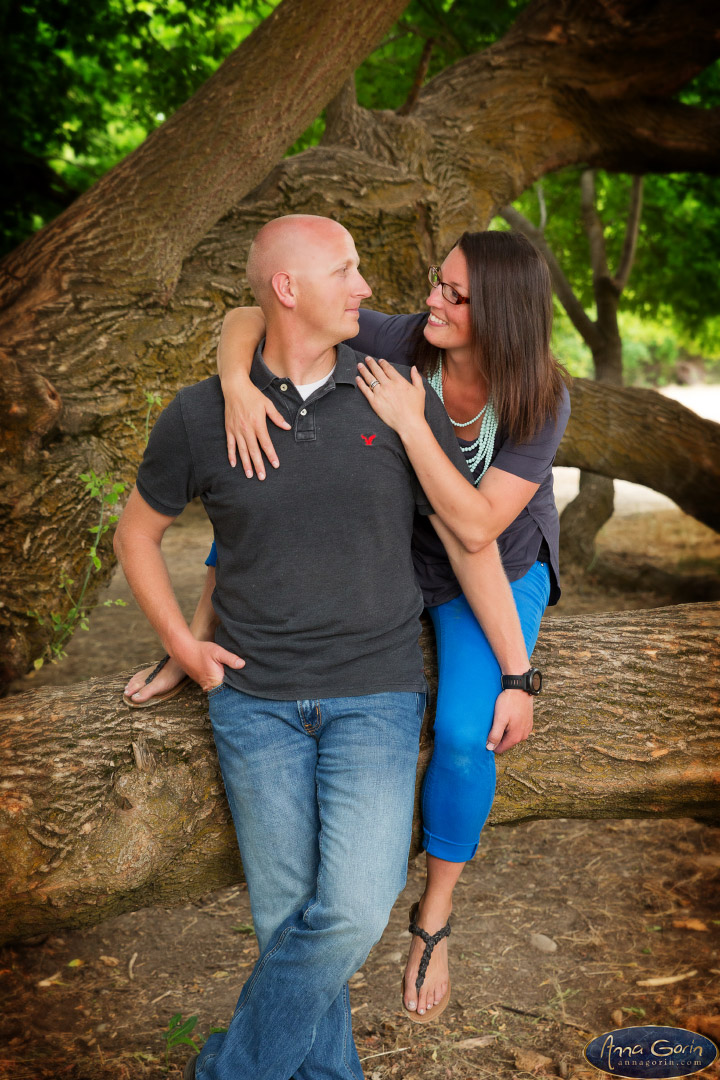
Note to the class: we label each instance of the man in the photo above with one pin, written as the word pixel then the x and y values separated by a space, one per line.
pixel 315 681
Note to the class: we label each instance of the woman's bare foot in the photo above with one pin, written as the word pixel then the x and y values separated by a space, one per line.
pixel 169 676
pixel 431 918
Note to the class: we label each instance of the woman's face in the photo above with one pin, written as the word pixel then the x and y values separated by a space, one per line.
pixel 448 326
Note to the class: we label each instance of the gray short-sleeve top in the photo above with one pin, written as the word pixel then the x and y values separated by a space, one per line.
pixel 315 582
pixel 535 530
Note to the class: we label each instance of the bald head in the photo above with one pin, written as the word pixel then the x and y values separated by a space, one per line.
pixel 289 245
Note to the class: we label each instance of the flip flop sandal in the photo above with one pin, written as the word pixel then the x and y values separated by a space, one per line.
pixel 160 697
pixel 430 942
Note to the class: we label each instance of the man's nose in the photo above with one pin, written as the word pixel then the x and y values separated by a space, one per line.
pixel 363 289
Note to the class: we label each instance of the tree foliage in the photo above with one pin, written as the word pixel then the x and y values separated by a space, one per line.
pixel 674 277
pixel 84 83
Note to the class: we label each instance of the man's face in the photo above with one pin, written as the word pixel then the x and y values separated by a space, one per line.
pixel 330 287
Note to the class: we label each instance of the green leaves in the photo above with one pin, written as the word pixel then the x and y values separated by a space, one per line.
pixel 107 491
pixel 178 1034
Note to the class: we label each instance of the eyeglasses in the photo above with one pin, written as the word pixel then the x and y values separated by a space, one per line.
pixel 451 295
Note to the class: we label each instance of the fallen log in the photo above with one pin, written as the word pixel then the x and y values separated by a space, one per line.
pixel 104 809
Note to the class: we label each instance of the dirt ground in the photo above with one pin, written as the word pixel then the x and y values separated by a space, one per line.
pixel 621 902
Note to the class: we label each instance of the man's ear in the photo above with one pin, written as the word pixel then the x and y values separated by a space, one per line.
pixel 284 289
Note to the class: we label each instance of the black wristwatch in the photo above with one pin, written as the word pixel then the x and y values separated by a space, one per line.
pixel 530 682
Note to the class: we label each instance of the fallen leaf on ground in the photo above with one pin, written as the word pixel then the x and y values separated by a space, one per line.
pixel 665 980
pixel 51 980
pixel 110 961
pixel 704 1023
pixel 531 1061
pixel 689 924
pixel 617 1017
pixel 543 943
pixel 471 1044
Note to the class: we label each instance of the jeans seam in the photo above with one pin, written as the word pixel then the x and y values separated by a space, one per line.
pixel 260 967
pixel 348 1027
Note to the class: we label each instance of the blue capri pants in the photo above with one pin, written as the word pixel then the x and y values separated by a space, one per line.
pixel 460 781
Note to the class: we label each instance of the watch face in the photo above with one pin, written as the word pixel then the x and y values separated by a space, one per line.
pixel 536 681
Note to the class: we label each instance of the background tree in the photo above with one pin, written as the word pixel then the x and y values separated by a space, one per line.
pixel 593 506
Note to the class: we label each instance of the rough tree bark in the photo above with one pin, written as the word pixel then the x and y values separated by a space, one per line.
pixel 125 291
pixel 642 436
pixel 104 809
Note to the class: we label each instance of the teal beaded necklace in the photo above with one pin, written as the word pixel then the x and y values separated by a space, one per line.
pixel 482 447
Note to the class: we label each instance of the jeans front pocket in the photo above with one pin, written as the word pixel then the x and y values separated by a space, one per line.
pixel 215 690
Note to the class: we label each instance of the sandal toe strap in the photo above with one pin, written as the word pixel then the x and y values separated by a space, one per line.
pixel 157 669
pixel 431 940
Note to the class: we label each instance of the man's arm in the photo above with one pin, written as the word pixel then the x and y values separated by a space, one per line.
pixel 487 590
pixel 138 542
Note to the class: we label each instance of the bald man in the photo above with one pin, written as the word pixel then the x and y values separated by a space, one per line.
pixel 315 677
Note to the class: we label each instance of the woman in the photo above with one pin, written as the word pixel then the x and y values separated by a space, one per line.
pixel 484 347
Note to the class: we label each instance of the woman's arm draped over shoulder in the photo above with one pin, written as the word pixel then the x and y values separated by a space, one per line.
pixel 389 336
pixel 476 516
pixel 246 407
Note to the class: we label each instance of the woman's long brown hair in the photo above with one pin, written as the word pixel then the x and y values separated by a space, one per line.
pixel 511 315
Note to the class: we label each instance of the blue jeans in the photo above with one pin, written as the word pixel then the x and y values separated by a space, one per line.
pixel 321 794
pixel 460 781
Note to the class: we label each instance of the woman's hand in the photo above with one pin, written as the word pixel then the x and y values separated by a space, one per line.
pixel 399 403
pixel 247 411
pixel 513 720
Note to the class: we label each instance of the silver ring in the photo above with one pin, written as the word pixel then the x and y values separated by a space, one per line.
pixel 374 383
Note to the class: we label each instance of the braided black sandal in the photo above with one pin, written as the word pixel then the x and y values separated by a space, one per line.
pixel 430 942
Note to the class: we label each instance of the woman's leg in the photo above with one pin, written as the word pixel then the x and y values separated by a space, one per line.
pixel 202 627
pixel 460 781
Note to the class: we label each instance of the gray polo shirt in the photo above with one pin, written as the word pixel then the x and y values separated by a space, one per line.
pixel 315 582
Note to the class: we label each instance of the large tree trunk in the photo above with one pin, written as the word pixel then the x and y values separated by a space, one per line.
pixel 641 436
pixel 121 295
pixel 105 809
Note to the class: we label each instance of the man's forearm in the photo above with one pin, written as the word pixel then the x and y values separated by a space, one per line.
pixel 487 590
pixel 147 575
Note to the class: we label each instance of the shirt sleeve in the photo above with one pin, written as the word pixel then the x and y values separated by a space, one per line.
pixel 387 337
pixel 442 429
pixel 166 477
pixel 533 460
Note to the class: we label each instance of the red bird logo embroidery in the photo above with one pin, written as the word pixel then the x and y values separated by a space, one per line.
pixel 368 439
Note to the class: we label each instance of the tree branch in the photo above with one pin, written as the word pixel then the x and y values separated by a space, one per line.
pixel 649 135
pixel 420 74
pixel 584 326
pixel 95 834
pixel 152 208
pixel 631 234
pixel 593 228
pixel 616 431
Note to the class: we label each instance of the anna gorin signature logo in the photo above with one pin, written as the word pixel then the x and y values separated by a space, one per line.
pixel 650 1052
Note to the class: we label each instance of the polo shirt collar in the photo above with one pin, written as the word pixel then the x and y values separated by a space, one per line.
pixel 345 367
